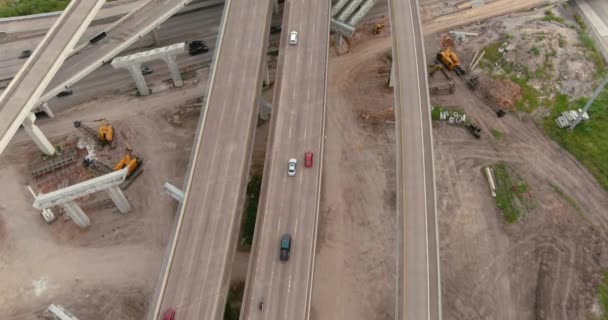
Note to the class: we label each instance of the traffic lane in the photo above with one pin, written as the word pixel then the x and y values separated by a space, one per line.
pixel 247 68
pixel 413 181
pixel 601 8
pixel 432 233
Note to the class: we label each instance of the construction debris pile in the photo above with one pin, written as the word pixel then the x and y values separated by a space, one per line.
pixel 457 118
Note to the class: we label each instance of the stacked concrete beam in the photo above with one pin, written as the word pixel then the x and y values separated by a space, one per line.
pixel 357 16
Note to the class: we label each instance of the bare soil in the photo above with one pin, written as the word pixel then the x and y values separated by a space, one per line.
pixel 545 266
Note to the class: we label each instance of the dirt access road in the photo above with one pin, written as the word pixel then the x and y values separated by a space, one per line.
pixel 546 266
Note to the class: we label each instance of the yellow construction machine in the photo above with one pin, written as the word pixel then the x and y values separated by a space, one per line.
pixel 104 134
pixel 378 28
pixel 448 57
pixel 129 160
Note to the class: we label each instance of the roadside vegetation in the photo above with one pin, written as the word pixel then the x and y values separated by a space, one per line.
pixel 512 194
pixel 251 209
pixel 566 197
pixel 497 134
pixel 14 8
pixel 234 301
pixel 589 140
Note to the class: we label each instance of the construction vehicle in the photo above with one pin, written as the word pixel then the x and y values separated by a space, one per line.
pixel 104 134
pixel 448 57
pixel 378 28
pixel 129 160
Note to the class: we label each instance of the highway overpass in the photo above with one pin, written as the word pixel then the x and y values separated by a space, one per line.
pixel 418 276
pixel 291 204
pixel 195 277
pixel 24 90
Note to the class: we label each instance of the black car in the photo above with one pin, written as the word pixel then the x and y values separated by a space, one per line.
pixel 65 93
pixel 146 69
pixel 198 47
pixel 25 53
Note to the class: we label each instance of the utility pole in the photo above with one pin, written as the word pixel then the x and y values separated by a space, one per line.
pixel 580 114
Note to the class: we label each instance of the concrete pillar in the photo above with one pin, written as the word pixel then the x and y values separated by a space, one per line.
pixel 174 69
pixel 266 72
pixel 265 109
pixel 119 199
pixel 155 37
pixel 47 110
pixel 174 192
pixel 391 77
pixel 275 6
pixel 76 214
pixel 338 39
pixel 36 134
pixel 140 81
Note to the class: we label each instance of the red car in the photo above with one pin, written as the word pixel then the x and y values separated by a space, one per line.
pixel 169 314
pixel 308 159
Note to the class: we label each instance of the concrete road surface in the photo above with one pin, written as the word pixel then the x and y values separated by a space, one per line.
pixel 25 89
pixel 196 280
pixel 290 204
pixel 419 294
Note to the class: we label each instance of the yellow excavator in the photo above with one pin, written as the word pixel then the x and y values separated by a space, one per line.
pixel 378 28
pixel 448 57
pixel 104 134
pixel 129 160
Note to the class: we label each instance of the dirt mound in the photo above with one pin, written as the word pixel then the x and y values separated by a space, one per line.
pixel 501 92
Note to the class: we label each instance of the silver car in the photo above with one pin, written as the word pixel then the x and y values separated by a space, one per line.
pixel 291 167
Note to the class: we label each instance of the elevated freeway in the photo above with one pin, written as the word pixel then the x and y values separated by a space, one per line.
pixel 291 204
pixel 418 276
pixel 195 277
pixel 24 90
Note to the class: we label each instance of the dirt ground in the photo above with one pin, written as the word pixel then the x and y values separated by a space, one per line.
pixel 546 266
pixel 109 270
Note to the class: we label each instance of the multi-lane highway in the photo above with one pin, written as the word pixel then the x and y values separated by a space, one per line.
pixel 290 204
pixel 419 294
pixel 195 277
pixel 25 89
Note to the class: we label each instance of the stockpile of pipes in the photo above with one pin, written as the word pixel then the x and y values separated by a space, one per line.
pixel 490 176
pixel 453 117
pixel 569 116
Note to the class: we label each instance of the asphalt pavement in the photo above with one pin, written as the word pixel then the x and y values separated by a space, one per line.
pixel 195 281
pixel 419 281
pixel 289 205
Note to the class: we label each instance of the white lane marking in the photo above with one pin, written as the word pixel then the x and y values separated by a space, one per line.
pixel 293 94
pixel 290 127
pixel 304 132
pixel 308 94
pixel 229 75
pixel 301 176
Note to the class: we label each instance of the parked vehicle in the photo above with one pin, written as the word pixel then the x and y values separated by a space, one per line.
pixel 285 247
pixel 25 54
pixel 291 167
pixel 308 159
pixel 293 38
pixel 98 37
pixel 169 314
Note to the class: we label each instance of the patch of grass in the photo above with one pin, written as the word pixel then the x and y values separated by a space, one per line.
pixel 529 96
pixel 511 194
pixel 602 297
pixel 497 134
pixel 549 16
pixel 535 51
pixel 589 140
pixel 561 42
pixel 234 300
pixel 580 22
pixel 437 110
pixel 566 197
pixel 253 197
pixel 13 8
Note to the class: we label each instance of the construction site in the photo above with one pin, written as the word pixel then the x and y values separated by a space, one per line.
pixel 96 179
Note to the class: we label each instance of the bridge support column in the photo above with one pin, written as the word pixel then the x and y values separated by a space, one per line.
pixel 155 36
pixel 74 211
pixel 266 72
pixel 36 134
pixel 140 81
pixel 174 69
pixel 265 109
pixel 119 199
pixel 47 110
pixel 338 39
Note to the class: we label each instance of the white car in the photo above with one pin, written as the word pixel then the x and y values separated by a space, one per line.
pixel 293 37
pixel 291 167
